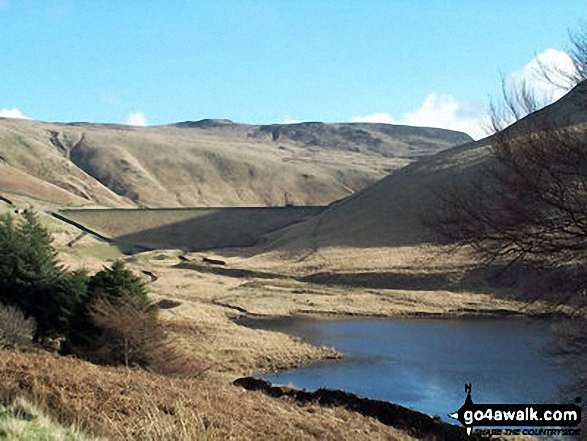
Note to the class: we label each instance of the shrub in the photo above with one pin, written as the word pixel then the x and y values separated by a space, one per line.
pixel 15 328
pixel 125 335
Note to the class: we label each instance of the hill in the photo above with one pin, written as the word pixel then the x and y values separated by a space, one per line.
pixel 205 163
pixel 389 213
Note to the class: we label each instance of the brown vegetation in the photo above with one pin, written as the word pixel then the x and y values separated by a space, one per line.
pixel 135 338
pixel 134 404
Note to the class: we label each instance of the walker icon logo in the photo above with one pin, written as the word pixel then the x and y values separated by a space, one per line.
pixel 518 415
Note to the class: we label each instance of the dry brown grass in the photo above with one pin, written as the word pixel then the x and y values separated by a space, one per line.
pixel 293 298
pixel 231 351
pixel 13 180
pixel 134 404
pixel 392 282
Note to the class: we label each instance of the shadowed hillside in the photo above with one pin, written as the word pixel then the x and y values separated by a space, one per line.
pixel 189 229
pixel 205 163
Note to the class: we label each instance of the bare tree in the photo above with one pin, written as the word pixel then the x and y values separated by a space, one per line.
pixel 134 337
pixel 527 211
pixel 519 98
pixel 529 203
pixel 530 200
pixel 529 206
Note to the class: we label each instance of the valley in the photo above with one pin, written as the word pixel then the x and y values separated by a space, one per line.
pixel 336 247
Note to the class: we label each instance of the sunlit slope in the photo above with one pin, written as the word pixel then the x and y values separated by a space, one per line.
pixel 389 213
pixel 15 182
pixel 210 162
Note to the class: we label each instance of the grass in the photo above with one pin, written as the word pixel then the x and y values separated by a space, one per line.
pixel 101 251
pixel 120 404
pixel 22 421
pixel 158 407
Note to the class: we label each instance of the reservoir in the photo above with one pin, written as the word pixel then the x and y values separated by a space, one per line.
pixel 424 363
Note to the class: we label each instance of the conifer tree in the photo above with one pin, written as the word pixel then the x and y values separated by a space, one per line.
pixel 31 278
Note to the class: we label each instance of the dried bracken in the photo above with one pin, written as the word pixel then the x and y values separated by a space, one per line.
pixel 122 403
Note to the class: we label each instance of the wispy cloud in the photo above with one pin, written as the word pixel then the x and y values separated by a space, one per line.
pixel 136 119
pixel 12 113
pixel 290 121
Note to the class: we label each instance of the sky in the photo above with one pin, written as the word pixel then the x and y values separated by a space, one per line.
pixel 427 63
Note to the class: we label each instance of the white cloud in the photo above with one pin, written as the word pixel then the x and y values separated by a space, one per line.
pixel 545 79
pixel 12 113
pixel 384 118
pixel 136 119
pixel 446 112
pixel 442 111
pixel 557 64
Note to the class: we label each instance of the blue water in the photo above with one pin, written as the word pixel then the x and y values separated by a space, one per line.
pixel 424 364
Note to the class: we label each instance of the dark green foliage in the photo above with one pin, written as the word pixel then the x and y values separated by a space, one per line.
pixel 32 280
pixel 117 284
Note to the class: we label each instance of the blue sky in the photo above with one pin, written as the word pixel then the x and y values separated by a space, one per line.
pixel 428 62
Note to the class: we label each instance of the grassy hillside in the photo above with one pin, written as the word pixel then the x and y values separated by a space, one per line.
pixel 205 163
pixel 118 403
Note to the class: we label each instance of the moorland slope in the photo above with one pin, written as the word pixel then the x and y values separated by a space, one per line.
pixel 205 163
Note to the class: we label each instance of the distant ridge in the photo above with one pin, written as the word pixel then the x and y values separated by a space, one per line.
pixel 212 162
pixel 204 123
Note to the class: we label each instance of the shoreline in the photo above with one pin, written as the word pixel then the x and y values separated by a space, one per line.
pixel 473 314
pixel 413 422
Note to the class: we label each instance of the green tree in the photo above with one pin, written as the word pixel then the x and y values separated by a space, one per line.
pixel 31 278
pixel 119 284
